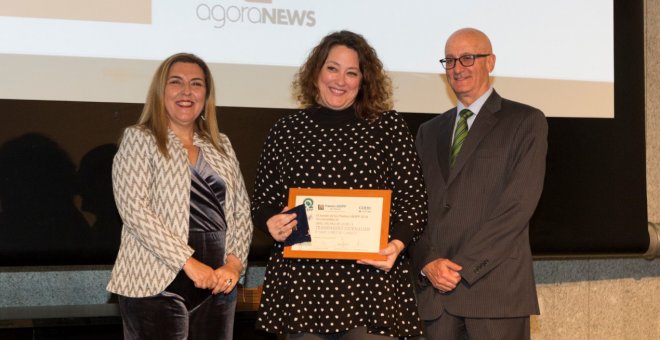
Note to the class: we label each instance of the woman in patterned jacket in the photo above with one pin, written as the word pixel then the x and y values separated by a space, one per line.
pixel 185 211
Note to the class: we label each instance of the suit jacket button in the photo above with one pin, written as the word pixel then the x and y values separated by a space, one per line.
pixel 447 206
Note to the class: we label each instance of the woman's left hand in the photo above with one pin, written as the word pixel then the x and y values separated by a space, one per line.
pixel 228 275
pixel 391 251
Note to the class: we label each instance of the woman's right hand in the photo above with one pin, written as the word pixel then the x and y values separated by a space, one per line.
pixel 202 275
pixel 280 226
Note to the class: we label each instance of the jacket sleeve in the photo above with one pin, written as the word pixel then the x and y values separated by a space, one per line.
pixel 239 235
pixel 131 177
pixel 423 250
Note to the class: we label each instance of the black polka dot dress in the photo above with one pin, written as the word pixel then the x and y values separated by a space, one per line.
pixel 321 148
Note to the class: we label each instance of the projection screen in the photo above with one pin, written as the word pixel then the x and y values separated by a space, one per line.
pixel 557 56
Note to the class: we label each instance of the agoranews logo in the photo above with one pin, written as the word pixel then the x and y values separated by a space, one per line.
pixel 222 14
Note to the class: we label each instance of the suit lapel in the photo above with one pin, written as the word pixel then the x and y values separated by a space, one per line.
pixel 484 122
pixel 443 145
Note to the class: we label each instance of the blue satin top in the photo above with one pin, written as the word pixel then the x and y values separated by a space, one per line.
pixel 207 198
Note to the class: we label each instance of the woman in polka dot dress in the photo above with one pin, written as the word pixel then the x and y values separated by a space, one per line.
pixel 346 137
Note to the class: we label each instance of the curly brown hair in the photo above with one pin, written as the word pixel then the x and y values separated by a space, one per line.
pixel 375 94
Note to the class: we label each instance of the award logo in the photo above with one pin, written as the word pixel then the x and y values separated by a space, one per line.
pixel 309 203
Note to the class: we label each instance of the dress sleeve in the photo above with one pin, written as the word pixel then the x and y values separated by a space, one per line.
pixel 409 208
pixel 131 176
pixel 240 234
pixel 269 196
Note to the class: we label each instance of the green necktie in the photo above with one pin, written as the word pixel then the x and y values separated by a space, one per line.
pixel 459 135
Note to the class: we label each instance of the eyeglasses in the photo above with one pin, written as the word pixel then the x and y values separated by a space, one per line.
pixel 465 60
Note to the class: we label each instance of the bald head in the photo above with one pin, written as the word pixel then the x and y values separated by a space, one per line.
pixel 476 38
pixel 469 78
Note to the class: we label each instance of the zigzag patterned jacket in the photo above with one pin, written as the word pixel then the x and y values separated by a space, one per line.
pixel 153 198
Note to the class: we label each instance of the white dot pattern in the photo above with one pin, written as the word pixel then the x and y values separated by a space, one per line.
pixel 328 296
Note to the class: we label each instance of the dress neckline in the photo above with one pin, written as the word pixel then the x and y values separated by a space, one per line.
pixel 328 118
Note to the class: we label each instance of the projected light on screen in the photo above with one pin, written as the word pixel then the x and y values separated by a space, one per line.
pixel 548 54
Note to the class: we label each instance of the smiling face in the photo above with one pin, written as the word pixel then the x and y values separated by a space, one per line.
pixel 340 77
pixel 185 94
pixel 469 83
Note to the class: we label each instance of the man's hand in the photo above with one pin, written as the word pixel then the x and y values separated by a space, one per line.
pixel 443 274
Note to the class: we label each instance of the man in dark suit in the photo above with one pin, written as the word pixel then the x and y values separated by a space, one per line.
pixel 484 176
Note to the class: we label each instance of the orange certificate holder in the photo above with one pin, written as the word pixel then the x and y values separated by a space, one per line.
pixel 345 224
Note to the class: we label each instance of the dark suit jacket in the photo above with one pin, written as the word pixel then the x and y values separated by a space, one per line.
pixel 479 210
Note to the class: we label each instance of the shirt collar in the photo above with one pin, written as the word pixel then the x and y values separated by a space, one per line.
pixel 476 106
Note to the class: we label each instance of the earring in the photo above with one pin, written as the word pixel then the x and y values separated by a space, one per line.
pixel 203 116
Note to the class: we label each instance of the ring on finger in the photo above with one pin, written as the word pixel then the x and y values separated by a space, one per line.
pixel 228 282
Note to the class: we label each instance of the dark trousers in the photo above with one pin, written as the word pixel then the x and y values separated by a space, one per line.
pixel 359 333
pixel 451 327
pixel 165 316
